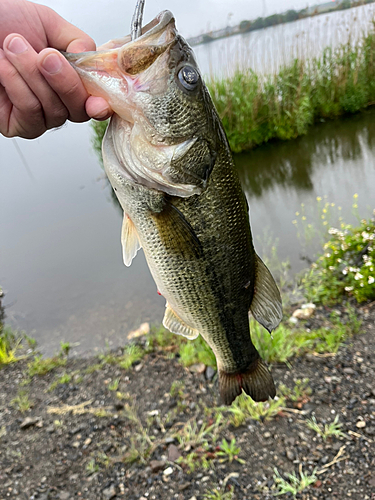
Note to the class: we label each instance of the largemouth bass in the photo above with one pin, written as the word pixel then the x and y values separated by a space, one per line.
pixel 167 157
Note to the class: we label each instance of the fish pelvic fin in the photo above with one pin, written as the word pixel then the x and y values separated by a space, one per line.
pixel 175 324
pixel 256 381
pixel 266 305
pixel 129 240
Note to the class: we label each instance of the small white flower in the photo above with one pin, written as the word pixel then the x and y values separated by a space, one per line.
pixel 358 276
pixel 371 280
pixel 349 288
pixel 345 271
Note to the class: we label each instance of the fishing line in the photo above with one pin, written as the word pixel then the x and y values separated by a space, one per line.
pixel 23 160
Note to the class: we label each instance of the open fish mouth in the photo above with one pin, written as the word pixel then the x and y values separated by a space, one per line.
pixel 113 71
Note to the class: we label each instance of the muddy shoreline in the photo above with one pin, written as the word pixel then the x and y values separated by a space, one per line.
pixel 108 432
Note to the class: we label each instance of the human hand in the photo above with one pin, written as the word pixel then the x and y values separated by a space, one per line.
pixel 39 90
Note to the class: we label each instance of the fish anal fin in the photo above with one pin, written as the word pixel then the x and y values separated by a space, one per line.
pixel 266 305
pixel 175 324
pixel 129 240
pixel 256 381
pixel 176 233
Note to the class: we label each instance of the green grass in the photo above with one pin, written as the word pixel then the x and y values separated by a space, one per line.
pixel 293 484
pixel 329 430
pixel 22 402
pixel 244 408
pixel 257 109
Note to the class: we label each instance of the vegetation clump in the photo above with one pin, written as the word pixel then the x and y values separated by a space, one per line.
pixel 347 266
pixel 255 109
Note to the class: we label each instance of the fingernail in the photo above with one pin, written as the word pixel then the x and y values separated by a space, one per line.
pixel 17 45
pixel 52 63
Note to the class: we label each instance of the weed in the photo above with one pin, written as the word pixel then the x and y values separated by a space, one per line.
pixel 65 348
pixel 197 351
pixel 92 467
pixel 293 484
pixel 93 368
pixel 284 343
pixel 40 366
pixel 113 386
pixel 191 435
pixel 216 494
pixel 229 451
pixel 177 389
pixel 332 429
pixel 300 392
pixel 244 408
pixel 22 402
pixel 64 379
pixel 132 353
pixel 9 345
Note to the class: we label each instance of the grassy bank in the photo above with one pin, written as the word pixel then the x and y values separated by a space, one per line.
pixel 256 109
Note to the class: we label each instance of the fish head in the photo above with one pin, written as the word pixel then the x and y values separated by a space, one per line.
pixel 165 132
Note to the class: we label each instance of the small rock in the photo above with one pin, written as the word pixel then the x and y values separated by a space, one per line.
pixel 197 368
pixel 168 471
pixel 370 431
pixel 138 367
pixel 153 413
pixel 110 492
pixel 293 320
pixel 361 424
pixel 310 305
pixel 144 329
pixel 76 444
pixel 157 465
pixel 64 495
pixel 29 422
pixel 88 441
pixel 303 313
pixel 290 455
pixel 348 371
pixel 210 372
pixel 173 453
pixel 50 429
pixel 267 435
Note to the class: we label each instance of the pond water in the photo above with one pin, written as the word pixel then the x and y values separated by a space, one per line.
pixel 60 253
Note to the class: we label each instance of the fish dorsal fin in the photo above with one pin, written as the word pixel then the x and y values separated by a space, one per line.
pixel 176 325
pixel 129 240
pixel 266 304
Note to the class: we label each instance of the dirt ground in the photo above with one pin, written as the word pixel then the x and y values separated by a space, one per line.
pixel 85 438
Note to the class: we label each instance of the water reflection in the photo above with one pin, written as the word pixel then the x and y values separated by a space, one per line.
pixel 294 164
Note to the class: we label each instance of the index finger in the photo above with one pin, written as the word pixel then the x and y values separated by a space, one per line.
pixel 62 35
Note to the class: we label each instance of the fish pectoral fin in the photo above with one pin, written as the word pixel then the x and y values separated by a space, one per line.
pixel 177 234
pixel 129 240
pixel 266 305
pixel 175 324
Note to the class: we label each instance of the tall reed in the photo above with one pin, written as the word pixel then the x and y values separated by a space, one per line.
pixel 255 109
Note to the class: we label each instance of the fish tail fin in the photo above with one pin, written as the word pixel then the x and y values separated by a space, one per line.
pixel 256 381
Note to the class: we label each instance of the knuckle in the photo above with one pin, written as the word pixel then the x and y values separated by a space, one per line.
pixel 59 116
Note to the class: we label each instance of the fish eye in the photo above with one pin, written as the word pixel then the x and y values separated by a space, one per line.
pixel 189 77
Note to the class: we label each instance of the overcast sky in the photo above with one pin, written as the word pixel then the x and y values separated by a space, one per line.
pixel 106 19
